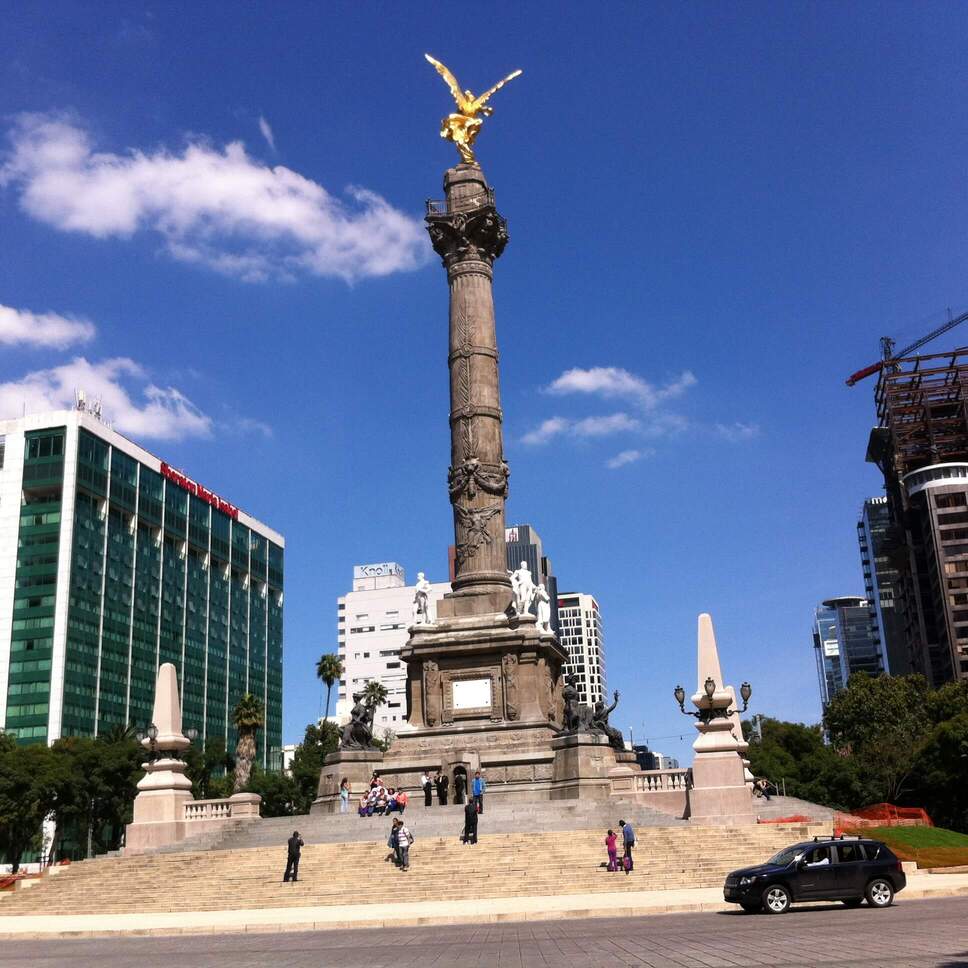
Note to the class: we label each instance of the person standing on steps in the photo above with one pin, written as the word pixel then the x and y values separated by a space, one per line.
pixel 344 795
pixel 628 842
pixel 478 788
pixel 470 823
pixel 612 851
pixel 292 864
pixel 442 782
pixel 428 789
pixel 404 843
pixel 460 781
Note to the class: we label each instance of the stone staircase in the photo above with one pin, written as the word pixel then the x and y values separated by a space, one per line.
pixel 435 821
pixel 558 862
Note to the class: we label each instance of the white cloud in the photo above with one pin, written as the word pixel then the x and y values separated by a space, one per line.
pixel 42 329
pixel 626 457
pixel 587 427
pixel 266 130
pixel 214 206
pixel 610 382
pixel 130 402
pixel 737 431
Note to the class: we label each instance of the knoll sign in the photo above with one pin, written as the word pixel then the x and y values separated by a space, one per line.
pixel 176 477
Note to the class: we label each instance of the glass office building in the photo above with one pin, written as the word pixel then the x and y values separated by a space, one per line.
pixel 845 641
pixel 111 563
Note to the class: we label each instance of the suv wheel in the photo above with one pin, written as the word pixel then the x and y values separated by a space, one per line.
pixel 880 893
pixel 776 899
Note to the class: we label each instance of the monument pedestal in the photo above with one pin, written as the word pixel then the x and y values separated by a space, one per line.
pixel 356 766
pixel 583 767
pixel 720 796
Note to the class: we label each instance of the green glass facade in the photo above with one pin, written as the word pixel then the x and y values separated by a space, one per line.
pixel 154 574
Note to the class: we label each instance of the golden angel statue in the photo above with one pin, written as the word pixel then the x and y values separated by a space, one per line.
pixel 462 127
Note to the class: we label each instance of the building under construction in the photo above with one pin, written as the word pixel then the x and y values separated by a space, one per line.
pixel 921 447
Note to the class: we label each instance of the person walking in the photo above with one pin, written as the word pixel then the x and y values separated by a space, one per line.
pixel 344 795
pixel 393 844
pixel 628 842
pixel 478 788
pixel 470 823
pixel 404 842
pixel 442 782
pixel 612 851
pixel 428 789
pixel 292 864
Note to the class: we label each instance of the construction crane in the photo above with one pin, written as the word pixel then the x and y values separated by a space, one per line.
pixel 888 355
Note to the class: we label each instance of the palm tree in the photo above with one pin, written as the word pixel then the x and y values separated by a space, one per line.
pixel 248 717
pixel 374 694
pixel 328 670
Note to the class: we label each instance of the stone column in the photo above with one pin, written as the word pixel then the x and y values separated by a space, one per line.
pixel 719 793
pixel 469 234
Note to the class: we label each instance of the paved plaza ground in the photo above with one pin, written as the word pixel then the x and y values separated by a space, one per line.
pixel 930 933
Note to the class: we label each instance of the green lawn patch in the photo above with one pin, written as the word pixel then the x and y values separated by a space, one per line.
pixel 929 846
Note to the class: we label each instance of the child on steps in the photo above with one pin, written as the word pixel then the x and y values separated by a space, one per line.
pixel 612 851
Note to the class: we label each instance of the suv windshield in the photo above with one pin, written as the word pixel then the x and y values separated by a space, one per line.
pixel 786 856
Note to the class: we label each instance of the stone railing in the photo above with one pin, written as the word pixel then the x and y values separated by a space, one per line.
pixel 656 781
pixel 234 807
pixel 208 810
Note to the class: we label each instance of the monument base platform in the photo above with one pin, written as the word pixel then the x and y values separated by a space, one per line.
pixel 356 766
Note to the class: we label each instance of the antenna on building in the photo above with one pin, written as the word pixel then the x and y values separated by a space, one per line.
pixel 80 400
pixel 96 409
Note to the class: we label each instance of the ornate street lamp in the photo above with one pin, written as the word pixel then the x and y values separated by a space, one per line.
pixel 706 713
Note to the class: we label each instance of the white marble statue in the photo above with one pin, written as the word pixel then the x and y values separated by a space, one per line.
pixel 543 599
pixel 421 601
pixel 523 587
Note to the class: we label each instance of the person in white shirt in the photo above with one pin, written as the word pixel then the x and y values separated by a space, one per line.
pixel 428 789
pixel 404 841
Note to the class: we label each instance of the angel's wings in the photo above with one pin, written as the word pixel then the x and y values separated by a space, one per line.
pixel 451 81
pixel 482 100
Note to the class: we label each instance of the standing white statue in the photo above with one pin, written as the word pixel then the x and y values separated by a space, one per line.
pixel 421 601
pixel 543 599
pixel 523 587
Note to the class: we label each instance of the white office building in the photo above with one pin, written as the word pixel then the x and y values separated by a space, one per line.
pixel 372 623
pixel 582 635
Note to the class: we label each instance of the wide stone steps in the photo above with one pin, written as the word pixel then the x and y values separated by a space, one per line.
pixel 498 866
pixel 436 821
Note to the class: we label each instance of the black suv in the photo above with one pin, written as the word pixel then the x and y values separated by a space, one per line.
pixel 823 869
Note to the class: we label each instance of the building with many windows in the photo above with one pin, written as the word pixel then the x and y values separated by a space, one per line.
pixel 373 623
pixel 845 641
pixel 881 577
pixel 111 563
pixel 582 635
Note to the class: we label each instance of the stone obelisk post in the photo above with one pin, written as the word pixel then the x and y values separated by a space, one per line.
pixel 469 235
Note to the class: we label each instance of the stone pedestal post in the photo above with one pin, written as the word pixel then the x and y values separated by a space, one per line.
pixel 719 793
pixel 159 807
pixel 356 766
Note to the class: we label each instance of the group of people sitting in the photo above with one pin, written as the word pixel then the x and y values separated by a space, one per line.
pixel 378 800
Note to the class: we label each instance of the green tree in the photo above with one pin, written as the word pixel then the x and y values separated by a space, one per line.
pixel 882 723
pixel 319 741
pixel 29 783
pixel 208 769
pixel 278 792
pixel 249 717
pixel 328 670
pixel 940 777
pixel 374 693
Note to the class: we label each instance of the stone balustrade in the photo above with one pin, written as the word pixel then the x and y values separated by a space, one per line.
pixel 653 781
pixel 208 810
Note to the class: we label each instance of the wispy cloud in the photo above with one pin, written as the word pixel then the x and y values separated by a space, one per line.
pixel 587 427
pixel 21 326
pixel 214 206
pixel 610 382
pixel 266 130
pixel 130 401
pixel 737 431
pixel 626 457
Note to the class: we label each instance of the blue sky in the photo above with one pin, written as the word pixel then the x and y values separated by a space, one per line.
pixel 715 211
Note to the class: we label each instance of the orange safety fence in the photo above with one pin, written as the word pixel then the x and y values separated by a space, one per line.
pixel 881 815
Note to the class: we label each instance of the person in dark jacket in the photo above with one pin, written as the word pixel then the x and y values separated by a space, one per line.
pixel 470 823
pixel 628 842
pixel 460 782
pixel 442 782
pixel 292 864
pixel 428 788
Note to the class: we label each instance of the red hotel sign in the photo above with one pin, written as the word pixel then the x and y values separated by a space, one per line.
pixel 200 492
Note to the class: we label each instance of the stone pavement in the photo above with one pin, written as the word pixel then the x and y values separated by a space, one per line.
pixel 912 934
pixel 397 912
